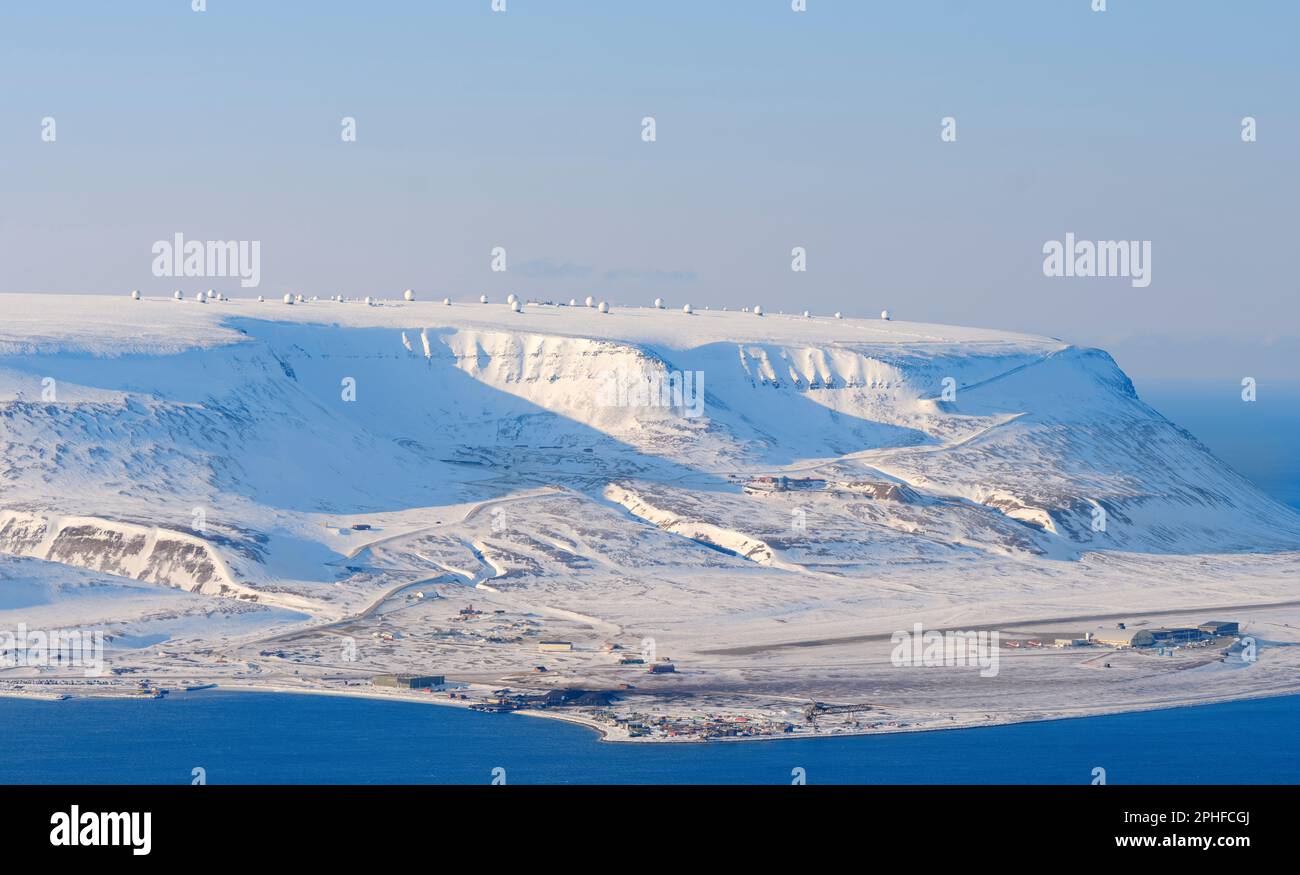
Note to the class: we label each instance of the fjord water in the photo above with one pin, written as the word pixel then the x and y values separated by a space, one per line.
pixel 1260 439
pixel 277 738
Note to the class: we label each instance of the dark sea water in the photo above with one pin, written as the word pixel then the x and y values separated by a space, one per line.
pixel 1260 438
pixel 287 738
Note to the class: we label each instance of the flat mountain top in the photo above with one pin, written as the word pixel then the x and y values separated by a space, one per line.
pixel 116 324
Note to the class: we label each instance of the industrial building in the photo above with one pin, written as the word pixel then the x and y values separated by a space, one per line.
pixel 554 646
pixel 1173 636
pixel 1114 637
pixel 408 681
pixel 1169 637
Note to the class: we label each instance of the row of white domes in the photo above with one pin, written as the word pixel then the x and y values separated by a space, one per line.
pixel 512 300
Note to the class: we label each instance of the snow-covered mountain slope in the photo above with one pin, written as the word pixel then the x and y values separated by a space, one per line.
pixel 228 448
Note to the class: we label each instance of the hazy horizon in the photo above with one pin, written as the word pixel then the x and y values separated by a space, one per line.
pixel 774 130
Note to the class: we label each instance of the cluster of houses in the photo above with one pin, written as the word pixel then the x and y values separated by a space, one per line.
pixel 783 484
pixel 663 665
pixel 877 489
pixel 701 727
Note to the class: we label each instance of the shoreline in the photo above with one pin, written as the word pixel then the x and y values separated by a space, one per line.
pixel 606 733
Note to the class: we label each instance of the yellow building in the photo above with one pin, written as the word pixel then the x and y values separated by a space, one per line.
pixel 1115 637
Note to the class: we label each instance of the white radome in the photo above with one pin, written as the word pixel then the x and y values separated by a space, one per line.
pixel 837 315
pixel 514 305
pixel 603 308
pixel 590 300
pixel 177 295
pixel 212 293
pixel 573 302
pixel 686 308
pixel 659 303
pixel 288 299
pixel 758 311
pixel 446 302
pixel 510 298
pixel 884 314
pixel 482 299
pixel 135 294
pixel 200 297
pixel 260 299
pixel 369 300
pixel 409 295
pixel 807 315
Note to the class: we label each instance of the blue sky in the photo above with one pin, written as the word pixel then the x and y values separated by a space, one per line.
pixel 775 129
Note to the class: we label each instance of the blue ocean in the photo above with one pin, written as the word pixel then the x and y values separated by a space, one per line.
pixel 1260 438
pixel 276 738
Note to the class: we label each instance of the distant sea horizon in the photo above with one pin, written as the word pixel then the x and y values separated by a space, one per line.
pixel 1259 439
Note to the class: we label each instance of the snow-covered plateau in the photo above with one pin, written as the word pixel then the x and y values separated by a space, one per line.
pixel 303 496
